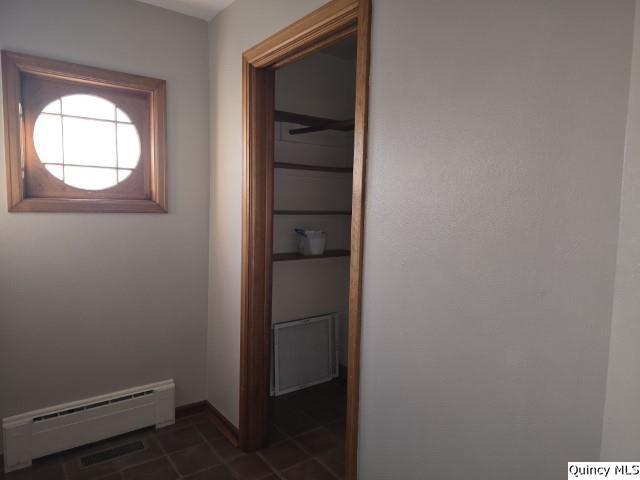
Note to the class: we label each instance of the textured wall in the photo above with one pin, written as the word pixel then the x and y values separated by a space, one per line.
pixel 90 303
pixel 620 438
pixel 496 148
pixel 495 158
pixel 239 27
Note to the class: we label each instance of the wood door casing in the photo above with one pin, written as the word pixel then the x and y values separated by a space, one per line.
pixel 323 27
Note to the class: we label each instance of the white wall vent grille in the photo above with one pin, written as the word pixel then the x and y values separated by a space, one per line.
pixel 304 353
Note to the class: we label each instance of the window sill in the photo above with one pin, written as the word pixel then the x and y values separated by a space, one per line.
pixel 83 205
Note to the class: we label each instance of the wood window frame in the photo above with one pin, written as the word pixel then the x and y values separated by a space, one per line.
pixel 15 68
pixel 323 27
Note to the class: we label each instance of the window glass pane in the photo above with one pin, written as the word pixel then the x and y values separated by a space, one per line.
pixel 89 178
pixel 47 138
pixel 128 146
pixel 122 117
pixel 88 106
pixel 53 107
pixel 55 170
pixel 123 174
pixel 89 142
pixel 87 146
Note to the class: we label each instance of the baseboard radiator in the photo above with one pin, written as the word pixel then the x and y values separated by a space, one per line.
pixel 61 427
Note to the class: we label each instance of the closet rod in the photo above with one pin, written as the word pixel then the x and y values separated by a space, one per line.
pixel 314 124
pixel 317 168
pixel 343 125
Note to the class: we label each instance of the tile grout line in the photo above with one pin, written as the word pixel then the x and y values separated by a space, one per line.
pixel 189 420
pixel 168 457
pixel 311 455
pixel 148 436
pixel 213 450
pixel 144 440
pixel 270 465
pixel 287 438
pixel 224 462
pixel 156 434
pixel 300 406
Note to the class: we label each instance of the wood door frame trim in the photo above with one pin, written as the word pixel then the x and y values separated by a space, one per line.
pixel 15 66
pixel 329 24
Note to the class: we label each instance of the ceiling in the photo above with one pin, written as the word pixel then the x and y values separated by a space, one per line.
pixel 204 9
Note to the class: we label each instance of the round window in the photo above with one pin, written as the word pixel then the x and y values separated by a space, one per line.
pixel 86 141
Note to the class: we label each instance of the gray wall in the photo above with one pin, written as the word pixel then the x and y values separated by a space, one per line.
pixel 90 303
pixel 239 27
pixel 321 85
pixel 496 147
pixel 620 438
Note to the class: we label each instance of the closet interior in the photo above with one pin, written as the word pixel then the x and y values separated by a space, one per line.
pixel 312 192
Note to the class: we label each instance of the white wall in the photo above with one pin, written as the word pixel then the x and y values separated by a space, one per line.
pixel 495 155
pixel 239 27
pixel 496 146
pixel 90 303
pixel 620 437
pixel 321 85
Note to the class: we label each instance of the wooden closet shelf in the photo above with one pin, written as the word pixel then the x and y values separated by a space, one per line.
pixel 317 168
pixel 312 212
pixel 283 257
pixel 314 124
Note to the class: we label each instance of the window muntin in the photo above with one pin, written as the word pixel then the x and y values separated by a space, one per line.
pixel 86 141
pixel 135 112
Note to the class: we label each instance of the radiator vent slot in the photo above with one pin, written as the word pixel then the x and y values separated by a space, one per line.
pixel 111 453
pixel 57 428
pixel 82 408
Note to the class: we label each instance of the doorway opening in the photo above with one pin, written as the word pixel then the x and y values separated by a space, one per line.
pixel 305 124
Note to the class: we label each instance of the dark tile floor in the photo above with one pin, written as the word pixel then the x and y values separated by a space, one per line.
pixel 307 443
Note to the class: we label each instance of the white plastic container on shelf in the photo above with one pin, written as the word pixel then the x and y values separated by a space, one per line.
pixel 311 242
